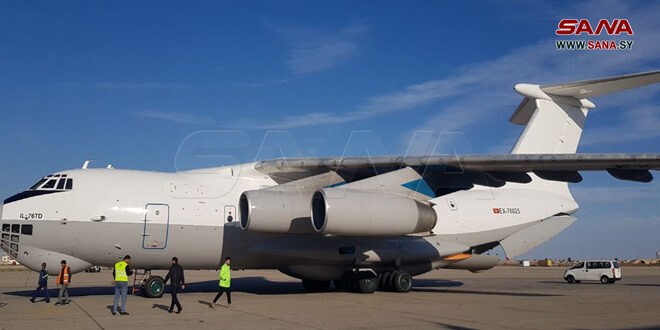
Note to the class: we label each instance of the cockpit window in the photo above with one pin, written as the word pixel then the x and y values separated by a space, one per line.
pixel 49 185
pixel 38 184
pixel 54 182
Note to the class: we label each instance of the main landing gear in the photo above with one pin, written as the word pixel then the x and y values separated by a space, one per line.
pixel 152 286
pixel 398 281
pixel 366 282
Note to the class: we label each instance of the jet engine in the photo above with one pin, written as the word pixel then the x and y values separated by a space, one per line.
pixel 369 213
pixel 274 211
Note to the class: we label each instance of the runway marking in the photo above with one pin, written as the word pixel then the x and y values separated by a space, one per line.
pixel 88 315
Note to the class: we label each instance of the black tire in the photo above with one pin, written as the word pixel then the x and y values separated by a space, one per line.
pixel 367 282
pixel 379 280
pixel 604 279
pixel 316 286
pixel 402 281
pixel 570 279
pixel 612 281
pixel 390 281
pixel 386 282
pixel 154 287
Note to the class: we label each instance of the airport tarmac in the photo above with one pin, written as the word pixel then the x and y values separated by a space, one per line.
pixel 504 297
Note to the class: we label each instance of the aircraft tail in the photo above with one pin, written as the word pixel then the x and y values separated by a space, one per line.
pixel 554 115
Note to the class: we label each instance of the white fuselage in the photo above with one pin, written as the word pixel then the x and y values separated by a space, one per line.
pixel 154 216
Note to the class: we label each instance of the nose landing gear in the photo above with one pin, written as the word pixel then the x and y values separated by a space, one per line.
pixel 152 286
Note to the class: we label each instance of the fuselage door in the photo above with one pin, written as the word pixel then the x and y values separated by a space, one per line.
pixel 156 223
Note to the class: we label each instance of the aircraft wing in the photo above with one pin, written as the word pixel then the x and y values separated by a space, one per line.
pixel 496 169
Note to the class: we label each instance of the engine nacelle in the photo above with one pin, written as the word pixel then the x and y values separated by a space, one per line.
pixel 367 213
pixel 275 211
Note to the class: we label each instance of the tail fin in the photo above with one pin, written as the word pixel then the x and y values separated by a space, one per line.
pixel 554 115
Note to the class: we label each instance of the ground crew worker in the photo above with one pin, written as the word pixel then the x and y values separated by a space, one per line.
pixel 178 282
pixel 121 273
pixel 63 280
pixel 225 282
pixel 43 283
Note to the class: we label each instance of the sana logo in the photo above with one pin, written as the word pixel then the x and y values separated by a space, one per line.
pixel 578 27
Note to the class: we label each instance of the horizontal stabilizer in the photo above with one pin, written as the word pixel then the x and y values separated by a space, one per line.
pixel 596 87
pixel 531 237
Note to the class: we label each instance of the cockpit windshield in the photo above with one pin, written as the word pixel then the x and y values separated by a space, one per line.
pixel 54 182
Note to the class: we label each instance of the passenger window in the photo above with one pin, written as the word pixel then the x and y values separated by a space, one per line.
pixel 49 185
pixel 60 184
pixel 5 236
pixel 590 265
pixel 14 238
pixel 15 228
pixel 26 229
pixel 69 184
pixel 5 227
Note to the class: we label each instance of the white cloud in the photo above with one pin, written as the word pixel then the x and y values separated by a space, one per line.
pixel 639 192
pixel 314 50
pixel 176 117
pixel 475 91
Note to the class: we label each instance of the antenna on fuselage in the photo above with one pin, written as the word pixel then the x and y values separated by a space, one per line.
pixel 86 164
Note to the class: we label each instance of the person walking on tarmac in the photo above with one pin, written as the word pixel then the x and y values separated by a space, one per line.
pixel 43 283
pixel 121 273
pixel 63 280
pixel 175 275
pixel 225 282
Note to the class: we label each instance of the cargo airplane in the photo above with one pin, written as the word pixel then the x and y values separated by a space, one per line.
pixel 366 223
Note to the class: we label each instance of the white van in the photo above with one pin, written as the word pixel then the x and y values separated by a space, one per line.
pixel 594 270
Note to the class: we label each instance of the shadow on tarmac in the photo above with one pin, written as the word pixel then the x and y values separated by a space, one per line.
pixel 255 285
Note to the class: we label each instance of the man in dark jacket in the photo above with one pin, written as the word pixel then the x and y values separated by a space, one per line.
pixel 177 282
pixel 43 283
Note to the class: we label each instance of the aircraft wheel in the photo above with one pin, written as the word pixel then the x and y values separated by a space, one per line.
pixel 154 287
pixel 385 281
pixel 367 282
pixel 402 281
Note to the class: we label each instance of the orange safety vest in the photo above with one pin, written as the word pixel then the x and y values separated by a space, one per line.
pixel 63 278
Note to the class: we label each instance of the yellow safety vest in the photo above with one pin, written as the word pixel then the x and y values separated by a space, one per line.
pixel 225 276
pixel 120 271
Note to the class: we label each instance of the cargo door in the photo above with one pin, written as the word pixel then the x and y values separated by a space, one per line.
pixel 156 226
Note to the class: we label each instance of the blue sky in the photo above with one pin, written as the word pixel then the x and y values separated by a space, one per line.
pixel 146 85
